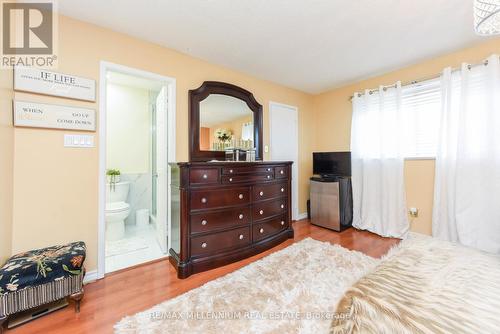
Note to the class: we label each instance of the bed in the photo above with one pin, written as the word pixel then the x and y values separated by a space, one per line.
pixel 425 285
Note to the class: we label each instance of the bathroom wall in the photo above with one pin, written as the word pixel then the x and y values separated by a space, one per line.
pixel 128 122
pixel 6 164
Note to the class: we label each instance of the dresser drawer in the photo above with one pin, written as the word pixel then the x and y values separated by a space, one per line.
pixel 281 172
pixel 204 176
pixel 219 198
pixel 246 178
pixel 213 221
pixel 264 210
pixel 268 191
pixel 269 228
pixel 215 242
pixel 247 170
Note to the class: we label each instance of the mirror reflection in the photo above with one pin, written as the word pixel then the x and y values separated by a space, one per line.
pixel 225 122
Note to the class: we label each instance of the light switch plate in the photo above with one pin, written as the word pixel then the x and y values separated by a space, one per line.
pixel 266 149
pixel 83 141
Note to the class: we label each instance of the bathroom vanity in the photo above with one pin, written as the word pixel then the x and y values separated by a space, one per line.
pixel 224 211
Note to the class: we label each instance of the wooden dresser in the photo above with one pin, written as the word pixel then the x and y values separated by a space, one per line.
pixel 222 212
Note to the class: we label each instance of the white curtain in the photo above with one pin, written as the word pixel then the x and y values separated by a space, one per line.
pixel 467 180
pixel 247 131
pixel 379 203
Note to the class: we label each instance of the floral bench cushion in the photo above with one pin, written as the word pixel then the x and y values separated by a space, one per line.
pixel 42 266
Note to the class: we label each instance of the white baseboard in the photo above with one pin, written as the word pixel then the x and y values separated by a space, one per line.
pixel 302 216
pixel 90 276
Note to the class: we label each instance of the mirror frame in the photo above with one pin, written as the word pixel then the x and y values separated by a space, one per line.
pixel 200 94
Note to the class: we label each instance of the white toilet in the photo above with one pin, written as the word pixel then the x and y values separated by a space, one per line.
pixel 117 210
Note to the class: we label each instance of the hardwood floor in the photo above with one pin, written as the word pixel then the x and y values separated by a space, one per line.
pixel 128 292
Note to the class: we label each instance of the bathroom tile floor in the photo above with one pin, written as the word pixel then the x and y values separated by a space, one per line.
pixel 142 247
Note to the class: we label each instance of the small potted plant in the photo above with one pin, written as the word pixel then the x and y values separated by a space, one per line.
pixel 224 136
pixel 113 176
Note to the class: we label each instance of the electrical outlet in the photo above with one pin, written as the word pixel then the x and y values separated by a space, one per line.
pixel 413 212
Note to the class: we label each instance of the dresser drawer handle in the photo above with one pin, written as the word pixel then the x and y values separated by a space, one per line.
pixel 241 236
pixel 282 206
pixel 231 171
pixel 204 222
pixel 204 245
pixel 269 169
pixel 269 176
pixel 205 176
pixel 282 172
pixel 261 193
pixel 230 179
pixel 261 212
pixel 261 230
pixel 282 190
pixel 282 223
pixel 203 200
pixel 240 196
pixel 240 216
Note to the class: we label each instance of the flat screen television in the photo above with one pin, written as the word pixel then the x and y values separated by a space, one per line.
pixel 332 163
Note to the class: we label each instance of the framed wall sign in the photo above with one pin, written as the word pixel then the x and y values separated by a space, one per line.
pixel 51 116
pixel 34 80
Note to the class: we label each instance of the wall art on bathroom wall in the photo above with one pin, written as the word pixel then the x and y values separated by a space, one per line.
pixel 51 116
pixel 34 80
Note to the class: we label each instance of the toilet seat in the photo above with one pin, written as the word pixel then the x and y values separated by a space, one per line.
pixel 117 207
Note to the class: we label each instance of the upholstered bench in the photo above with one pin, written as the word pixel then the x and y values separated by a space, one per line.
pixel 42 276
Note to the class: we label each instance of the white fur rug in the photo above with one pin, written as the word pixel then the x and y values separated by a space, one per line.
pixel 294 290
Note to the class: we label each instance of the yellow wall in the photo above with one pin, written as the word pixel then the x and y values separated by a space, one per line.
pixel 56 188
pixel 333 122
pixel 6 164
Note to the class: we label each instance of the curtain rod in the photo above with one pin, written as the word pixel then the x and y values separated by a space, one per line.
pixel 414 82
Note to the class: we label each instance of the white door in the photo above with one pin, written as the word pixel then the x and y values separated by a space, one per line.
pixel 284 143
pixel 161 169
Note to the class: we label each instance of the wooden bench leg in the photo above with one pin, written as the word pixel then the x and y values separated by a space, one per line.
pixel 77 297
pixel 2 321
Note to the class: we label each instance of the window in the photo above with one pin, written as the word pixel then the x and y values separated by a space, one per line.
pixel 421 107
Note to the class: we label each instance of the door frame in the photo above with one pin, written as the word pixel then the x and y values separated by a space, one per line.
pixel 170 84
pixel 295 180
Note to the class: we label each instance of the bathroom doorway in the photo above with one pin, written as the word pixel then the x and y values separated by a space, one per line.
pixel 137 141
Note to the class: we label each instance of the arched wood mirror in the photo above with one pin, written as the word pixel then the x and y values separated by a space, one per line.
pixel 223 116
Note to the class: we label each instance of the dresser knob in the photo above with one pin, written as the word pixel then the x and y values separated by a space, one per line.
pixel 282 190
pixel 241 236
pixel 205 176
pixel 231 171
pixel 230 179
pixel 269 176
pixel 261 230
pixel 261 193
pixel 240 216
pixel 261 212
pixel 204 222
pixel 282 206
pixel 204 245
pixel 282 222
pixel 240 196
pixel 269 169
pixel 282 172
pixel 203 200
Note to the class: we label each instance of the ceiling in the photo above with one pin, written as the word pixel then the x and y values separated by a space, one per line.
pixel 218 109
pixel 310 45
